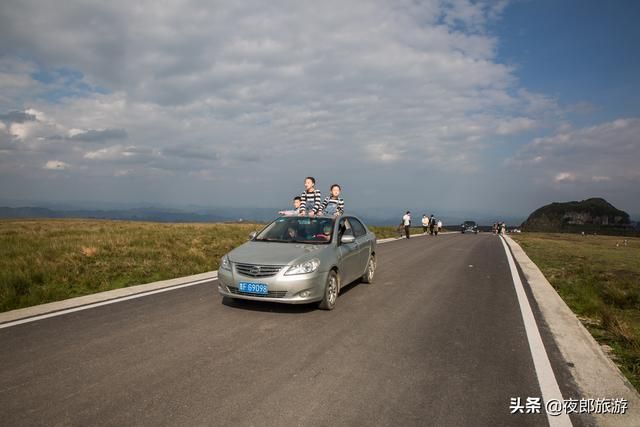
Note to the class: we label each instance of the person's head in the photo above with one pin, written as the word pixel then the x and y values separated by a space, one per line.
pixel 297 201
pixel 326 229
pixel 309 183
pixel 408 212
pixel 291 232
pixel 335 190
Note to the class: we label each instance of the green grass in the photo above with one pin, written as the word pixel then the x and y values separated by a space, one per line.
pixel 50 260
pixel 599 279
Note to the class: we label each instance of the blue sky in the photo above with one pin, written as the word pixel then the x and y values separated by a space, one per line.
pixel 493 107
pixel 578 51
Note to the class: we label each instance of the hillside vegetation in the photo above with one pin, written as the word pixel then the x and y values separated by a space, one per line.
pixel 593 215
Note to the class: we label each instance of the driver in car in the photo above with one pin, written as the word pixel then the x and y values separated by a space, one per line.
pixel 326 232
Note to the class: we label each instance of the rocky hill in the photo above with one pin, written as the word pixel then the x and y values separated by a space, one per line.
pixel 591 215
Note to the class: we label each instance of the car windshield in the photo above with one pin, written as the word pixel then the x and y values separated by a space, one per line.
pixel 312 230
pixel 469 223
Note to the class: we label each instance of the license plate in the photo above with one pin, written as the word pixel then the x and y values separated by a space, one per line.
pixel 253 288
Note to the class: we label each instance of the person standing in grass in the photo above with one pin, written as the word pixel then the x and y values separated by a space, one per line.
pixel 333 204
pixel 406 221
pixel 425 223
pixel 311 199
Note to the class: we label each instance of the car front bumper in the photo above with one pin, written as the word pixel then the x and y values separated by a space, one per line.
pixel 294 289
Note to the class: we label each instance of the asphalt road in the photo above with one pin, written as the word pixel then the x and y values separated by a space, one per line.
pixel 437 339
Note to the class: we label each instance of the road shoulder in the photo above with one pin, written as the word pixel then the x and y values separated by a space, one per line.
pixel 102 297
pixel 594 373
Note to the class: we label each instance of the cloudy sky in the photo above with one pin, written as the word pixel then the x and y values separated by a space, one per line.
pixel 443 105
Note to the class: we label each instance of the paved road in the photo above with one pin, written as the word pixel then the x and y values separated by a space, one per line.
pixel 438 339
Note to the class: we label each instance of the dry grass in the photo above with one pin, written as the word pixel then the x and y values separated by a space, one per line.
pixel 49 260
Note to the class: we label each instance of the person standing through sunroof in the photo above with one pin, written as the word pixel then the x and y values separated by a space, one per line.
pixel 297 201
pixel 311 199
pixel 333 204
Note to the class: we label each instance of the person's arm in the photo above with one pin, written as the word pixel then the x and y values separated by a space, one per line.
pixel 340 209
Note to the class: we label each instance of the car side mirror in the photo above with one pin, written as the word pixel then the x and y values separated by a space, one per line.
pixel 347 238
pixel 252 235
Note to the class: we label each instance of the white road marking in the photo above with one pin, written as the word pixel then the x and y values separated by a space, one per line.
pixel 99 304
pixel 546 378
pixel 119 299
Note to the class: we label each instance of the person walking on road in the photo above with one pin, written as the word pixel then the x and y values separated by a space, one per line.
pixel 406 221
pixel 439 226
pixel 425 223
pixel 432 224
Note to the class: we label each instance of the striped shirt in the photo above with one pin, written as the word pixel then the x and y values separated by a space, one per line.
pixel 333 205
pixel 311 199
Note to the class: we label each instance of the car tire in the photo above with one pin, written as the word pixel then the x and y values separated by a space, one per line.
pixel 330 292
pixel 368 275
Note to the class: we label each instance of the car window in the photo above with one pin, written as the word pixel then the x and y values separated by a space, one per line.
pixel 345 228
pixel 298 230
pixel 358 228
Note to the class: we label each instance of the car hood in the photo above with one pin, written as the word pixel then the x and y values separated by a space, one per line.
pixel 273 253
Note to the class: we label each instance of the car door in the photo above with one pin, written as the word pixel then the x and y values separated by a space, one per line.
pixel 363 244
pixel 347 252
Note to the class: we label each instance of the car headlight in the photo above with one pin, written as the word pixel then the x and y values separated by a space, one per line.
pixel 304 267
pixel 225 264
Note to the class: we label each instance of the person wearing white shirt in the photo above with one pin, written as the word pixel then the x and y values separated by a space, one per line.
pixel 425 224
pixel 406 221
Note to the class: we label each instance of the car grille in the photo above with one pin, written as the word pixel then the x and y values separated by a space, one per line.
pixel 252 270
pixel 271 294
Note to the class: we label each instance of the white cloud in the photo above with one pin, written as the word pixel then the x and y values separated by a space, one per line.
pixel 116 152
pixel 206 92
pixel 565 177
pixel 602 154
pixel 56 165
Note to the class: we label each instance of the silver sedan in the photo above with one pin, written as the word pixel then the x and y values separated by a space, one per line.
pixel 300 259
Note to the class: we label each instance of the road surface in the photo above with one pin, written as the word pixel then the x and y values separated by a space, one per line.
pixel 437 339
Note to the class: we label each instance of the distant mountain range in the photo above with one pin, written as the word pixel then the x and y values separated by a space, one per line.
pixel 200 214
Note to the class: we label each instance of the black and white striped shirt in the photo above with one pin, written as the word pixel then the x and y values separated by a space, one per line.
pixel 311 201
pixel 332 204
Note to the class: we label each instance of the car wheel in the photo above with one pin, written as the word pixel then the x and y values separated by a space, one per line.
pixel 330 292
pixel 367 277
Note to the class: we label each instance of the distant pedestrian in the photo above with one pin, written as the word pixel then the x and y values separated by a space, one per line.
pixel 425 223
pixel 406 221
pixel 439 225
pixel 432 224
pixel 503 228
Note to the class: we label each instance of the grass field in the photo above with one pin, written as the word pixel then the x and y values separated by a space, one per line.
pixel 50 260
pixel 599 279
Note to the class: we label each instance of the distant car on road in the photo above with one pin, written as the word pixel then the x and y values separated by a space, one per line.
pixel 469 227
pixel 300 259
